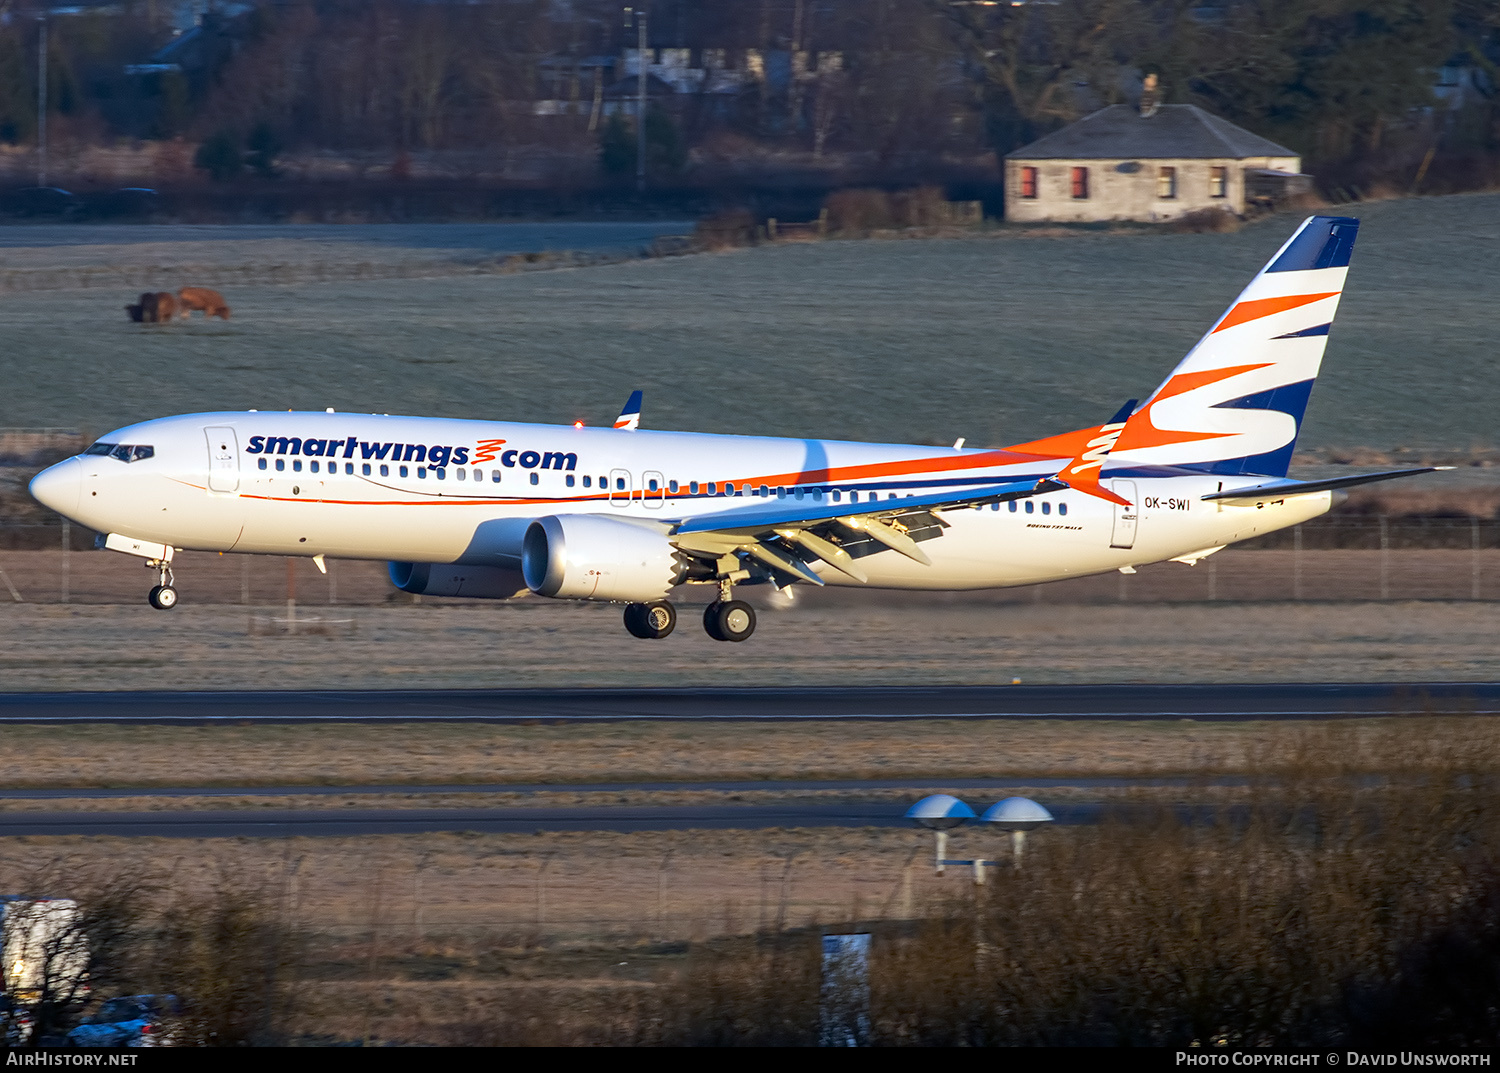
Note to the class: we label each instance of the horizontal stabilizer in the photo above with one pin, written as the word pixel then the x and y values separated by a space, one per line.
pixel 810 510
pixel 1282 488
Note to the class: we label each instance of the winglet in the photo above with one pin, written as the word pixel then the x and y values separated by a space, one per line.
pixel 1082 473
pixel 630 417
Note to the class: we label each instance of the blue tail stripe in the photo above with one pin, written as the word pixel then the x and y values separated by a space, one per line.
pixel 1321 329
pixel 1325 242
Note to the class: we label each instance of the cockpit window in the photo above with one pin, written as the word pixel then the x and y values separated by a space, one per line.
pixel 125 452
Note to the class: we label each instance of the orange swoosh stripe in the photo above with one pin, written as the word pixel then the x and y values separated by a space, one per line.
pixel 1141 432
pixel 1264 307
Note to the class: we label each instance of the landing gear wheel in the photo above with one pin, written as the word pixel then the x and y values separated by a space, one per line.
pixel 162 597
pixel 711 620
pixel 734 620
pixel 649 621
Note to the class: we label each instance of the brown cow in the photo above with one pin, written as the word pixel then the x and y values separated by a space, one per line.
pixel 165 307
pixel 211 302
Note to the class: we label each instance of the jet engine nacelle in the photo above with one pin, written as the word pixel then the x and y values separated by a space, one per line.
pixel 586 557
pixel 444 579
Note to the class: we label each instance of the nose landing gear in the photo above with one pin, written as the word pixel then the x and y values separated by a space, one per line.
pixel 163 597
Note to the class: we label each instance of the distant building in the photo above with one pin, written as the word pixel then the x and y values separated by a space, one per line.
pixel 1148 162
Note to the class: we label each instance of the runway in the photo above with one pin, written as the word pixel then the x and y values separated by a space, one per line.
pixel 1224 702
pixel 283 823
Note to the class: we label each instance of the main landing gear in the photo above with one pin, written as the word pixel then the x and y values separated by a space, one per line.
pixel 728 619
pixel 163 597
pixel 650 620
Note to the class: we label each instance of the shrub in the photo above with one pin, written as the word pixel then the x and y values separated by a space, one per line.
pixel 219 155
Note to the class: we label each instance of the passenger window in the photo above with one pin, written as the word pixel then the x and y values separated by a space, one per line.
pixel 495 476
pixel 440 473
pixel 479 474
pixel 1046 508
pixel 403 471
pixel 781 492
pixel 744 489
pixel 349 468
pixel 422 472
pixel 671 486
pixel 713 488
pixel 619 482
pixel 313 466
pixel 297 466
pixel 534 479
pixel 1030 506
pixel 797 491
pixel 1062 508
pixel 385 471
pixel 461 474
pixel 366 469
pixel 1012 506
pixel 692 487
pixel 995 505
pixel 569 480
pixel 853 496
pixel 262 463
pixel 837 496
pixel 651 484
pixel 764 491
pixel 588 482
pixel 280 464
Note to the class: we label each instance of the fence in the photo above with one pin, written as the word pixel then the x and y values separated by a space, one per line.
pixel 1337 558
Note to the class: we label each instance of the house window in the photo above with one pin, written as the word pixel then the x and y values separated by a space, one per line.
pixel 1166 182
pixel 1028 182
pixel 1080 184
pixel 1218 182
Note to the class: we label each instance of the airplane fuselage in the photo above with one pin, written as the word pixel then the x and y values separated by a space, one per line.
pixel 431 490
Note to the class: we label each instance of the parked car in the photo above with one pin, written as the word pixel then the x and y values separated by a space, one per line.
pixel 128 1021
pixel 40 201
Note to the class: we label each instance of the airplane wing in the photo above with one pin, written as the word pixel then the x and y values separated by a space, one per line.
pixel 784 536
pixel 1280 489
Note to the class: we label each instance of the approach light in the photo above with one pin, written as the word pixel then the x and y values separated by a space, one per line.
pixel 1017 815
pixel 940 813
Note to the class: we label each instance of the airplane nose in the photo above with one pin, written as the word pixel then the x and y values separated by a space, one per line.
pixel 59 487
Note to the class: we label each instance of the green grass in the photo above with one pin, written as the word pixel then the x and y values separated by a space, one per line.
pixel 998 339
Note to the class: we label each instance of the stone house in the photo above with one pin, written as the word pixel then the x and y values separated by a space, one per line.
pixel 1148 162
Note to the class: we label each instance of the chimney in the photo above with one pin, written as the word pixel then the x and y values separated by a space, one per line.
pixel 1150 97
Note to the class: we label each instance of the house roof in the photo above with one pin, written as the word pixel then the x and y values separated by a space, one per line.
pixel 1120 132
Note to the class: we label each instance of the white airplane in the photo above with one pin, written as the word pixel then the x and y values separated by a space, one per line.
pixel 496 509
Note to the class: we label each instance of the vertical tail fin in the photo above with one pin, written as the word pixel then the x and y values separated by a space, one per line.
pixel 630 417
pixel 1234 405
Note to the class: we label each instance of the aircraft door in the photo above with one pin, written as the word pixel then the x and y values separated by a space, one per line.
pixel 223 460
pixel 620 488
pixel 653 489
pixel 1125 517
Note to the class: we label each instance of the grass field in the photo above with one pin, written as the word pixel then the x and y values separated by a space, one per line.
pixel 997 337
pixel 549 644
